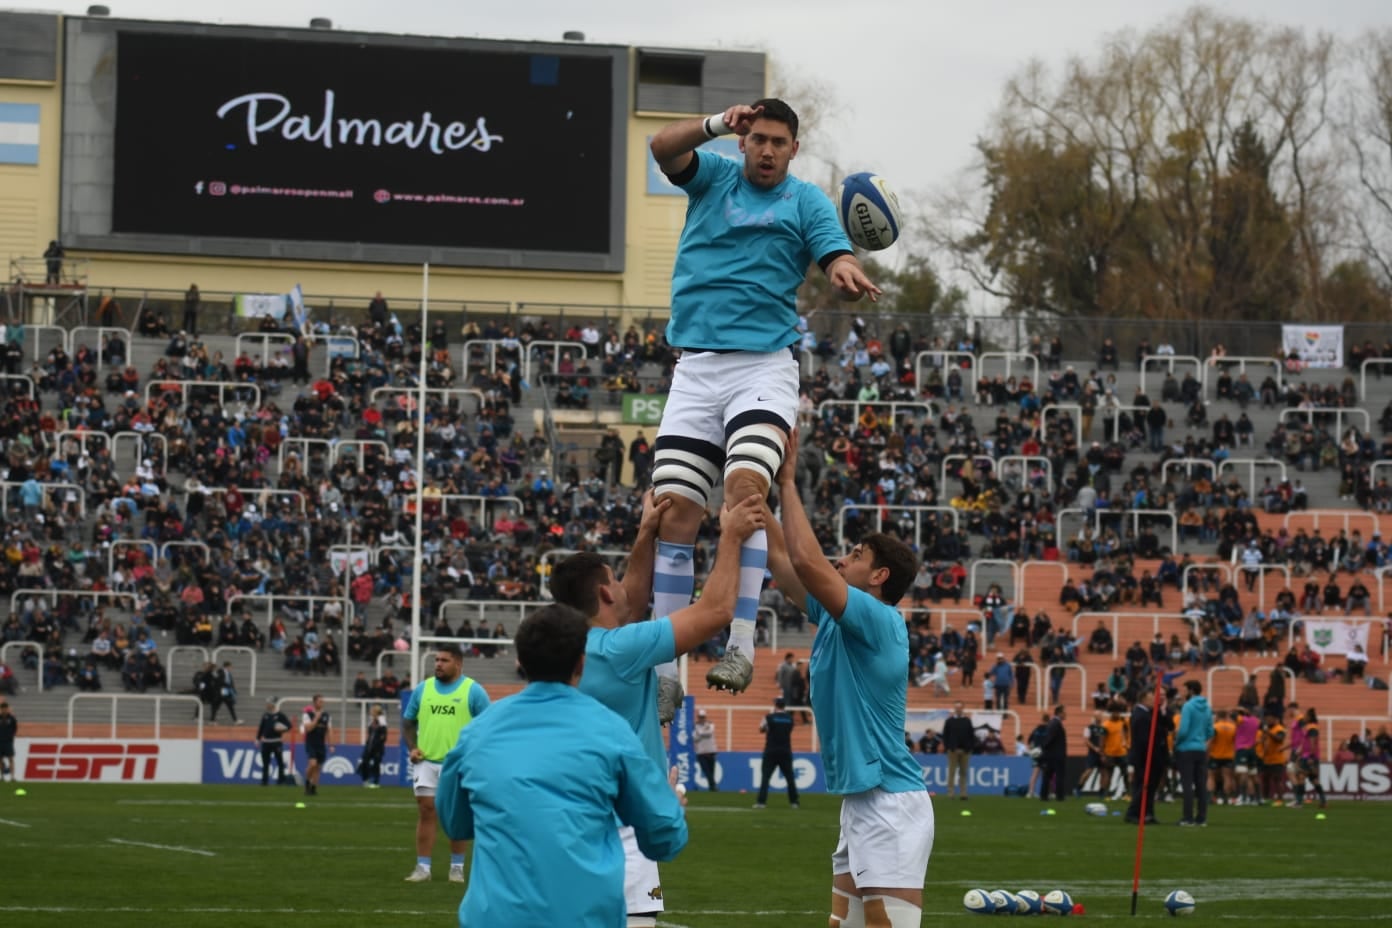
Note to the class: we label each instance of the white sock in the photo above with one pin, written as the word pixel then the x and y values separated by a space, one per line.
pixel 753 561
pixel 674 578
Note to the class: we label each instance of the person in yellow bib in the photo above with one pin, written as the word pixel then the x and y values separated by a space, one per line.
pixel 440 708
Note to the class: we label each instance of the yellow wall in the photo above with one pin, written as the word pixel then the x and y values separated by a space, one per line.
pixel 29 193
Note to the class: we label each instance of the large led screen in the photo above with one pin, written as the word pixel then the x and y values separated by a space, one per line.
pixel 335 142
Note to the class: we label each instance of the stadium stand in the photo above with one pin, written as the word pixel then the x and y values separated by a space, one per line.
pixel 172 501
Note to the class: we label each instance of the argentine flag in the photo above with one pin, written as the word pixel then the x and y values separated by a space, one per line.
pixel 19 133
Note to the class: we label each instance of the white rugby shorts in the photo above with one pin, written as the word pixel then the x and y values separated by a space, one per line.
pixel 710 389
pixel 642 886
pixel 425 777
pixel 886 839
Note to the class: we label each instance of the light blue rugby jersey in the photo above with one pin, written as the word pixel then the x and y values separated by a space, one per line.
pixel 860 690
pixel 619 673
pixel 536 782
pixel 743 253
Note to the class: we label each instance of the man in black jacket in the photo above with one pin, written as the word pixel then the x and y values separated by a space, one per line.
pixel 1141 720
pixel 959 740
pixel 1053 756
pixel 269 732
pixel 777 727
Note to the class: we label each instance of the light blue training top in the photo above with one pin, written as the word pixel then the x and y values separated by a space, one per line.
pixel 860 689
pixel 742 255
pixel 537 782
pixel 619 673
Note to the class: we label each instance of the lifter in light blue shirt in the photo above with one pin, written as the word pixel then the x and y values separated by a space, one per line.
pixel 621 652
pixel 859 698
pixel 537 782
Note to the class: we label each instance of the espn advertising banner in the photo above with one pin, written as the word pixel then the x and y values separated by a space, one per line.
pixel 1336 637
pixel 81 760
pixel 1316 345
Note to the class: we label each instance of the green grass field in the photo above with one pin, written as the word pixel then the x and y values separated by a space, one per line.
pixel 196 856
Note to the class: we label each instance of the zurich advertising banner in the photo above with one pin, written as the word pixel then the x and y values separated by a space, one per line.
pixel 742 770
pixel 240 762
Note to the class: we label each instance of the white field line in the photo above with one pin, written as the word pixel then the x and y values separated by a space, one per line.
pixel 162 847
pixel 5 821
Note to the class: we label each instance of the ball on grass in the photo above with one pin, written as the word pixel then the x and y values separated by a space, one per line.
pixel 1179 903
pixel 979 902
pixel 300 805
pixel 21 792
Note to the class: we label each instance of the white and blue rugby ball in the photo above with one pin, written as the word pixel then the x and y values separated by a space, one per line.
pixel 979 902
pixel 869 211
pixel 1058 902
pixel 1006 904
pixel 1095 808
pixel 1029 902
pixel 1179 903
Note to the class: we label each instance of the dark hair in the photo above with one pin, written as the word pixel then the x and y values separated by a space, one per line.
pixel 892 553
pixel 1194 687
pixel 778 111
pixel 550 643
pixel 575 582
pixel 449 647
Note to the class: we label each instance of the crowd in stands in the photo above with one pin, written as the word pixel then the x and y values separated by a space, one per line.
pixel 269 478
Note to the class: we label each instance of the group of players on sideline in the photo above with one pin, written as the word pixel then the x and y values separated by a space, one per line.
pixel 738 419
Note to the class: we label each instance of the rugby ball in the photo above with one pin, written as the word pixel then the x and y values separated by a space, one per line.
pixel 1029 902
pixel 1006 903
pixel 1179 903
pixel 979 902
pixel 1058 902
pixel 1095 808
pixel 869 211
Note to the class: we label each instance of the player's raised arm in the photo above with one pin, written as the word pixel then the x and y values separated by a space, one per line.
pixel 818 576
pixel 781 566
pixel 638 576
pixel 673 145
pixel 713 611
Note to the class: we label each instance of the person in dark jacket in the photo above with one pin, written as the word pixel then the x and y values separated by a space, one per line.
pixel 1159 755
pixel 959 740
pixel 1053 756
pixel 777 727
pixel 374 748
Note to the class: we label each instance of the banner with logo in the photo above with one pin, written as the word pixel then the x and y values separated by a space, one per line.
pixel 1316 345
pixel 643 408
pixel 240 762
pixel 743 770
pixel 1335 636
pixel 1371 780
pixel 84 760
pixel 680 751
pixel 358 559
pixel 256 305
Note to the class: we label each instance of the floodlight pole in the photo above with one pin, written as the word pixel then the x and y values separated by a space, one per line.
pixel 419 542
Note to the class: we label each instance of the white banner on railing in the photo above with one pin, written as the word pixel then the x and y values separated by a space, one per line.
pixel 1335 636
pixel 1316 345
pixel 358 559
pixel 83 760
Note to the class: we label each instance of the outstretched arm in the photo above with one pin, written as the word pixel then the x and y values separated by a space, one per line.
pixel 713 611
pixel 638 577
pixel 780 565
pixel 819 578
pixel 674 144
